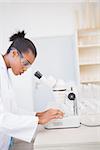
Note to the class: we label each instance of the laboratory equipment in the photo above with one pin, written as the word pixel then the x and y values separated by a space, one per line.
pixel 66 99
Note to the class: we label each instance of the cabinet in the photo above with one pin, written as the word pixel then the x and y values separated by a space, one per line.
pixel 89 55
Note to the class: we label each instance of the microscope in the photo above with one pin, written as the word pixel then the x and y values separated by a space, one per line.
pixel 66 96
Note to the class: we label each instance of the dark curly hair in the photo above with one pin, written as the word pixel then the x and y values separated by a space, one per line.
pixel 21 43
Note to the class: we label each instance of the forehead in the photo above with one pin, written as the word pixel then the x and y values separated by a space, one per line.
pixel 29 56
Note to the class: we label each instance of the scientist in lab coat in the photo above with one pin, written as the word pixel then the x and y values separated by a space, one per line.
pixel 15 122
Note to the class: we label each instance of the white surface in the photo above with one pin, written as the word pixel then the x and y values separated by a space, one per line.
pixel 82 138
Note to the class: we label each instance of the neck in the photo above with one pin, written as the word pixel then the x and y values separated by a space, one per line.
pixel 6 59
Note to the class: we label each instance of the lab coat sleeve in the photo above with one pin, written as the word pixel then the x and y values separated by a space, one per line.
pixel 13 121
pixel 18 110
pixel 10 105
pixel 22 127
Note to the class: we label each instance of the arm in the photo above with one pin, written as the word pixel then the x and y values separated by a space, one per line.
pixel 24 126
pixel 19 126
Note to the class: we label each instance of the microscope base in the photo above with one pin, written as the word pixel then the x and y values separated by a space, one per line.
pixel 66 122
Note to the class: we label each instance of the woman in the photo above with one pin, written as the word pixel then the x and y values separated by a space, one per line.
pixel 15 122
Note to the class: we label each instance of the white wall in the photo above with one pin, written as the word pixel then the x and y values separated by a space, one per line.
pixel 56 57
pixel 38 20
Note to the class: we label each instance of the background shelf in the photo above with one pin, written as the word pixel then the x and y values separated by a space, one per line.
pixel 89 55
pixel 88 45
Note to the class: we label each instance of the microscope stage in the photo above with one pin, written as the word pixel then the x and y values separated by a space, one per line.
pixel 66 122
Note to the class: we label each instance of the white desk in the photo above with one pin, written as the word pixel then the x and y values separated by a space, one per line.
pixel 82 138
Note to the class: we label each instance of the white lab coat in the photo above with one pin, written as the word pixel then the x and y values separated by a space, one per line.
pixel 13 121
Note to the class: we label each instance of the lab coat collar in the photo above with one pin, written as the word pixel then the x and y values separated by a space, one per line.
pixel 2 62
pixel 4 68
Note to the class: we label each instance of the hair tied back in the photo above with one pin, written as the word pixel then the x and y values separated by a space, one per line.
pixel 17 35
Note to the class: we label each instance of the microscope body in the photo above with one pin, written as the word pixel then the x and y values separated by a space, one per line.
pixel 66 96
pixel 66 99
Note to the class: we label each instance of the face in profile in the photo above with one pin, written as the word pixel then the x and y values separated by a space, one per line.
pixel 20 62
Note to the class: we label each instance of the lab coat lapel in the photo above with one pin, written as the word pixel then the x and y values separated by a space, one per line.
pixel 6 87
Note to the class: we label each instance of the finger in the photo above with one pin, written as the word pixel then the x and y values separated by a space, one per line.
pixel 58 116
pixel 56 111
pixel 54 117
pixel 59 110
pixel 60 113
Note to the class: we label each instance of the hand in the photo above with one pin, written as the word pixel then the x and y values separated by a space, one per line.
pixel 46 116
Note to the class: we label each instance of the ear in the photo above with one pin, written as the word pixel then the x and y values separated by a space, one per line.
pixel 14 53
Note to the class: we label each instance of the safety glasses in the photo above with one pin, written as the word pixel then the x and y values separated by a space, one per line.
pixel 26 64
